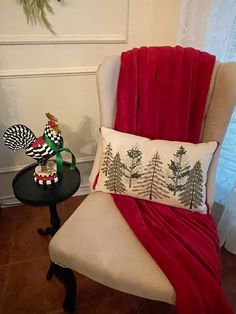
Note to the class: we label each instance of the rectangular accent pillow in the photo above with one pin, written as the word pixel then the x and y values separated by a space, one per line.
pixel 168 172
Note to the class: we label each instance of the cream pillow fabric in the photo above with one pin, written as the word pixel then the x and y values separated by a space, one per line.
pixel 169 172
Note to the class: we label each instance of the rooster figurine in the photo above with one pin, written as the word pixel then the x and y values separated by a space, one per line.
pixel 42 148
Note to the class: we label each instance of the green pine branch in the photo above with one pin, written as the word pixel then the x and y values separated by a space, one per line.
pixel 192 194
pixel 135 156
pixel 115 173
pixel 152 183
pixel 178 169
pixel 107 160
pixel 36 12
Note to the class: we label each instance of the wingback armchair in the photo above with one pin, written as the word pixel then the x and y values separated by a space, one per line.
pixel 96 240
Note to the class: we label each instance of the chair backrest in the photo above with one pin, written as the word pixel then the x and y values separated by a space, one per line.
pixel 219 107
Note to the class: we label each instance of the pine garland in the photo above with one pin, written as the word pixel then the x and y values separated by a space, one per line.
pixel 36 12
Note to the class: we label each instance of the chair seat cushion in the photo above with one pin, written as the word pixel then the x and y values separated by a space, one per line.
pixel 97 242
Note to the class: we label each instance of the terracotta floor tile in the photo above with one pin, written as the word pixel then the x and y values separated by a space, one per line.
pixel 154 307
pixel 56 312
pixel 123 304
pixel 229 285
pixel 90 291
pixel 8 218
pixel 227 259
pixel 28 244
pixel 27 290
pixel 4 271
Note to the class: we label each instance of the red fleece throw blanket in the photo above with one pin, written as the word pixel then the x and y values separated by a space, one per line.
pixel 162 93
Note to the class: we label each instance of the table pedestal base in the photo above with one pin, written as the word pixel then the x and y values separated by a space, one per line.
pixel 54 220
pixel 55 225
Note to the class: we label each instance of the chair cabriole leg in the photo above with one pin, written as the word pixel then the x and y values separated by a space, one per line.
pixel 67 278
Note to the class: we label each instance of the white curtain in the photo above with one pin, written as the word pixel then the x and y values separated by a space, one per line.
pixel 210 25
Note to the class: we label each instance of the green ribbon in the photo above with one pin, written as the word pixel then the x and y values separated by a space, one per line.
pixel 59 160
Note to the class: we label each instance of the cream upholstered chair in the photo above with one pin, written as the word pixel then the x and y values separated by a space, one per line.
pixel 96 240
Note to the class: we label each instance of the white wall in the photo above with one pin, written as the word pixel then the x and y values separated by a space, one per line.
pixel 40 72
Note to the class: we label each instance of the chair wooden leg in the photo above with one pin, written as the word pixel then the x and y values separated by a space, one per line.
pixel 67 278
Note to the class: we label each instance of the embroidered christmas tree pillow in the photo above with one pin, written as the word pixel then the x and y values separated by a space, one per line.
pixel 169 172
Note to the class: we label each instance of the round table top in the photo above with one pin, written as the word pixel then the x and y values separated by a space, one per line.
pixel 29 192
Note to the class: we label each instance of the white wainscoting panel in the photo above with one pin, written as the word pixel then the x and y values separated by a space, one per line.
pixel 72 99
pixel 41 72
pixel 75 22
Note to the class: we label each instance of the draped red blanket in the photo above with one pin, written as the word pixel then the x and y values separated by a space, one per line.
pixel 162 93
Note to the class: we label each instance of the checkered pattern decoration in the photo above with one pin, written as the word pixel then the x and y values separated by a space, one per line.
pixel 43 150
pixel 57 139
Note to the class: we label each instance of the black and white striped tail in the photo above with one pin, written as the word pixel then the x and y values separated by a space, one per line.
pixel 18 136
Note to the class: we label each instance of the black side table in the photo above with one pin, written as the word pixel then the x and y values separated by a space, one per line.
pixel 29 192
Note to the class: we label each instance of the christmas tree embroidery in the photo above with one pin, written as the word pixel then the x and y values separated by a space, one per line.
pixel 107 159
pixel 178 170
pixel 114 177
pixel 192 194
pixel 132 170
pixel 152 183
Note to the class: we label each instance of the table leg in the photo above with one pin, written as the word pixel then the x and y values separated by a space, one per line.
pixel 54 220
pixel 50 272
pixel 55 225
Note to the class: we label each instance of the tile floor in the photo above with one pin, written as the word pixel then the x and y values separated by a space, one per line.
pixel 24 262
